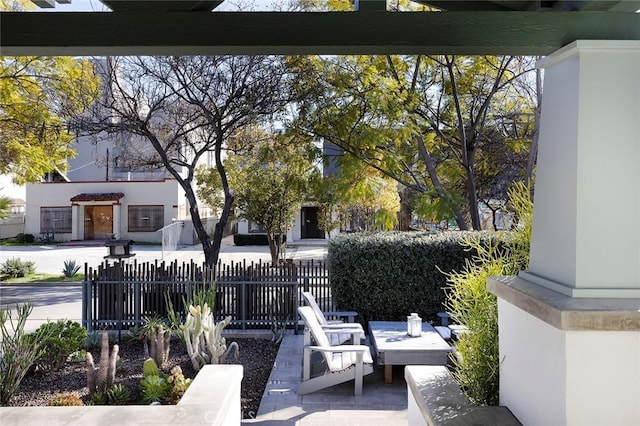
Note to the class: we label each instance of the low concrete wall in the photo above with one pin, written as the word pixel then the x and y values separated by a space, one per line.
pixel 436 400
pixel 212 399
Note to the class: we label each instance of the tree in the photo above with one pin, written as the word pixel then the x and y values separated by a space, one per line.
pixel 271 178
pixel 358 198
pixel 5 206
pixel 38 95
pixel 423 121
pixel 187 108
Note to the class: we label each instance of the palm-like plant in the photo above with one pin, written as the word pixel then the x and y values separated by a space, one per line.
pixel 5 207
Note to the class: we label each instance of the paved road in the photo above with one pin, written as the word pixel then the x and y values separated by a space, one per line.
pixel 49 302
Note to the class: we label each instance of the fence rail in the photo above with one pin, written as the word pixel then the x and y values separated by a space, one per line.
pixel 256 295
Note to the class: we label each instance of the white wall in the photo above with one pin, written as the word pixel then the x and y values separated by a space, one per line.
pixel 550 376
pixel 166 193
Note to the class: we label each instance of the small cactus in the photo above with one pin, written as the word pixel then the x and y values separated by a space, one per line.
pixel 101 379
pixel 150 368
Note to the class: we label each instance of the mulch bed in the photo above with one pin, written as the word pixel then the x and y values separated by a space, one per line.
pixel 256 356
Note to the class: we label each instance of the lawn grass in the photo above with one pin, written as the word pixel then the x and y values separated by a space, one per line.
pixel 43 278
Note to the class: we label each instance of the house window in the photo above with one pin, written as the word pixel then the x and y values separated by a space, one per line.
pixel 56 220
pixel 146 218
pixel 255 228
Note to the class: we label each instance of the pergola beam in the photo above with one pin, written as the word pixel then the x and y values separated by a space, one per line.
pixel 364 32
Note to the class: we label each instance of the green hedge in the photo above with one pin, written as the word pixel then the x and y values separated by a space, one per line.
pixel 386 276
pixel 252 239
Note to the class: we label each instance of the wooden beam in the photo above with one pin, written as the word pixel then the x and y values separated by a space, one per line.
pixel 184 33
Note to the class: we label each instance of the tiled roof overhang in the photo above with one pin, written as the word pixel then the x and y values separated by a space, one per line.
pixel 99 196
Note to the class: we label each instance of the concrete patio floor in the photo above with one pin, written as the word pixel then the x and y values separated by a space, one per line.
pixel 380 403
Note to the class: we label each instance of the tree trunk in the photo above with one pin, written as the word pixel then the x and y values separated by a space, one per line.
pixel 472 194
pixel 273 247
pixel 211 255
pixel 428 161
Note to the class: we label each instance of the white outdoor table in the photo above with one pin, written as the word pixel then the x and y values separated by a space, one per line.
pixel 393 346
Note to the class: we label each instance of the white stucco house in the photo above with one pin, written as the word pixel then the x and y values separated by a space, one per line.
pixel 102 197
pixel 92 210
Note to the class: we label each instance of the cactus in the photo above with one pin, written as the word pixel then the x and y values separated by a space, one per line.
pixel 150 368
pixel 101 379
pixel 203 338
pixel 157 344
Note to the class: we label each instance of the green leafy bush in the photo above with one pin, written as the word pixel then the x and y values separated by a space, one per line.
pixel 24 238
pixel 16 268
pixel 59 340
pixel 253 239
pixel 387 275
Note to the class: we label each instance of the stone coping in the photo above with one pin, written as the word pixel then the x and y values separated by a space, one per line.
pixel 435 398
pixel 213 398
pixel 565 312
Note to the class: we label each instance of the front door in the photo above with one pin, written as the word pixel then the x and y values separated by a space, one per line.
pixel 98 222
pixel 310 227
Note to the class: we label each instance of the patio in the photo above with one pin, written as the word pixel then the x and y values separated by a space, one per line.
pixel 380 403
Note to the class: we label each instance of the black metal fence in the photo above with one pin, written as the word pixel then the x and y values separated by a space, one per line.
pixel 258 295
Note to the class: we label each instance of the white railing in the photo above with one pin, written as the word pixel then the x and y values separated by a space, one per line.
pixel 171 236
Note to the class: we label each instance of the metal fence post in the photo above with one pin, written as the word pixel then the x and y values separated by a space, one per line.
pixel 137 308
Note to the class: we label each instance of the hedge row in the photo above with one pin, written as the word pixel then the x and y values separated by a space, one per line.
pixel 386 276
pixel 252 239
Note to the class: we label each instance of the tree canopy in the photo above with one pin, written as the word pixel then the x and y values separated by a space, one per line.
pixel 442 126
pixel 271 177
pixel 187 108
pixel 38 96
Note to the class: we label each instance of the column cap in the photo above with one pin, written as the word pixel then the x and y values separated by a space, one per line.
pixel 577 46
pixel 565 312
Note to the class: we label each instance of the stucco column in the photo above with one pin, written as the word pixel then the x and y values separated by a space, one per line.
pixel 75 222
pixel 116 221
pixel 570 325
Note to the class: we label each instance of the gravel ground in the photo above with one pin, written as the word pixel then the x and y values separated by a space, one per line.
pixel 256 356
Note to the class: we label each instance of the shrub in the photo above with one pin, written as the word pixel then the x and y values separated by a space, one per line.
pixel 18 352
pixel 470 303
pixel 70 268
pixel 387 275
pixel 65 399
pixel 24 238
pixel 253 239
pixel 59 340
pixel 16 268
